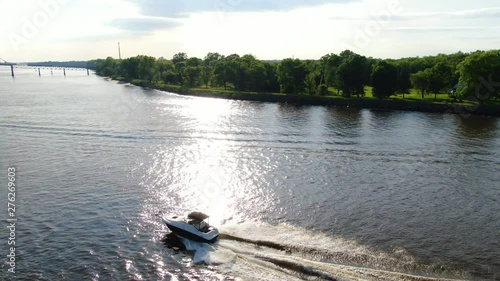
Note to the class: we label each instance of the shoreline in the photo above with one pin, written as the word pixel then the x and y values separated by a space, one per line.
pixel 353 102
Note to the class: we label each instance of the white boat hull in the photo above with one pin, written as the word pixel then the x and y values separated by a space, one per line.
pixel 189 231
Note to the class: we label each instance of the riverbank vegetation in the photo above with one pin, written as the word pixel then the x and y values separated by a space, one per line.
pixel 469 79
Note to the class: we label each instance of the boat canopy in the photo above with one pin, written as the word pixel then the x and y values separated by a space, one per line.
pixel 199 216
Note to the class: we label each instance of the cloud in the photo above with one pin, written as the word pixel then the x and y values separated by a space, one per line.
pixel 348 18
pixel 181 8
pixel 463 14
pixel 146 24
pixel 440 29
pixel 101 37
pixel 482 38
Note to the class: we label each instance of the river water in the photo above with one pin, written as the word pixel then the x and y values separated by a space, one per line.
pixel 346 194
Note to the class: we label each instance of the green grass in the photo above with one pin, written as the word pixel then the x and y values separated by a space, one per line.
pixel 414 95
pixel 412 98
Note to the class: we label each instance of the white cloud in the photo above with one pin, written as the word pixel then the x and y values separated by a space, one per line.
pixel 184 8
pixel 482 13
pixel 143 24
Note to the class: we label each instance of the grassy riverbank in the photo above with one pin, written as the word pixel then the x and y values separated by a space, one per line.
pixel 411 102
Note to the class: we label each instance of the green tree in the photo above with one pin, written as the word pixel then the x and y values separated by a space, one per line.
pixel 129 68
pixel 212 58
pixel 432 80
pixel 192 72
pixel 179 57
pixel 422 81
pixel 480 73
pixel 272 84
pixel 346 54
pixel 209 63
pixel 233 71
pixel 146 69
pixel 191 75
pixel 314 77
pixel 166 71
pixel 179 61
pixel 256 76
pixel 441 79
pixel 453 61
pixel 403 83
pixel 179 70
pixel 219 77
pixel 291 76
pixel 353 74
pixel 244 80
pixel 206 74
pixel 384 76
pixel 329 65
pixel 106 67
pixel 194 61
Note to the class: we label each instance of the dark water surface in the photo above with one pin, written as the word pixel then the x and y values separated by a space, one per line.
pixel 350 193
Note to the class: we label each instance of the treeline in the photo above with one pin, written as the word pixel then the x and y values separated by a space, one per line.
pixel 470 75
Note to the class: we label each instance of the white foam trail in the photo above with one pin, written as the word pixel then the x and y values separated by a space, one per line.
pixel 310 243
pixel 291 265
pixel 258 251
pixel 201 250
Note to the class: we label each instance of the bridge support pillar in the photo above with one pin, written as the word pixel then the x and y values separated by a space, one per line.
pixel 12 69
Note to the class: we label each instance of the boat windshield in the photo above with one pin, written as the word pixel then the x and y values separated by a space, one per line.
pixel 200 225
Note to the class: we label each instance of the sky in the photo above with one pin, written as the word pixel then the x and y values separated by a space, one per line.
pixel 43 30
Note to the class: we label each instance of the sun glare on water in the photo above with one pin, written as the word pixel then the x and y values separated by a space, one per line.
pixel 209 172
pixel 209 111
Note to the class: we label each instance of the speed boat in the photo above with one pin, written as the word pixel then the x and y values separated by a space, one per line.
pixel 193 227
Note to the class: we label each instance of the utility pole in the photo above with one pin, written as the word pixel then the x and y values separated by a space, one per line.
pixel 119 51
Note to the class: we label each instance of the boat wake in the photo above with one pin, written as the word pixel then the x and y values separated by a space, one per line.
pixel 257 251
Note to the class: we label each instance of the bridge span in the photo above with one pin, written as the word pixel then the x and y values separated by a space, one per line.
pixel 24 66
pixel 4 62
